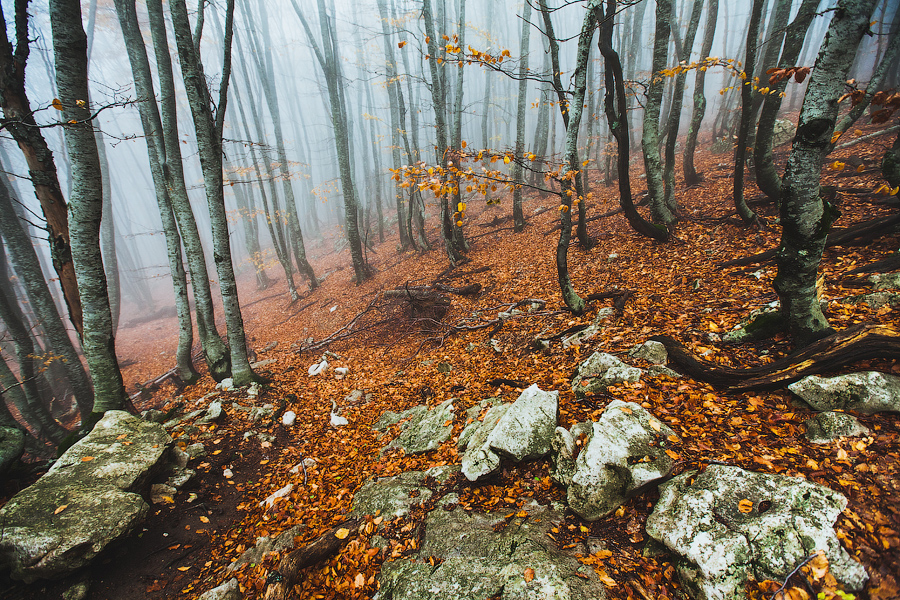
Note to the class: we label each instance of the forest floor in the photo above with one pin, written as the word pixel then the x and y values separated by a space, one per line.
pixel 678 290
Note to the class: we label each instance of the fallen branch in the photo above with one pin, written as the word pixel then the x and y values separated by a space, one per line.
pixel 281 581
pixel 885 265
pixel 864 138
pixel 854 344
pixel 453 274
pixel 839 237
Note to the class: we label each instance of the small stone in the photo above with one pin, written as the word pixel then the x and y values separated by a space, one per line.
pixel 253 390
pixel 288 418
pixel 338 421
pixel 213 413
pixel 160 493
pixel 225 385
pixel 341 372
pixel 444 367
pixel 227 473
pixel 195 450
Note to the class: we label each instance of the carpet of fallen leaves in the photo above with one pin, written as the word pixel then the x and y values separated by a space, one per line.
pixel 394 358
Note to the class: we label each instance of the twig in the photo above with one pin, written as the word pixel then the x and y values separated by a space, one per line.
pixel 792 573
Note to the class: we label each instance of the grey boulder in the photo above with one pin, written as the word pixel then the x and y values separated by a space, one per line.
pixel 625 452
pixel 479 459
pixel 91 497
pixel 867 392
pixel 478 562
pixel 393 497
pixel 525 431
pixel 425 430
pixel 600 371
pixel 651 351
pixel 12 445
pixel 828 426
pixel 227 591
pixel 727 524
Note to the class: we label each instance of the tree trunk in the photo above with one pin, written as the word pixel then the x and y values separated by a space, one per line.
pixel 674 122
pixel 18 119
pixel 890 164
pixel 650 138
pixel 691 177
pixel 805 215
pixel 517 170
pixel 740 152
pixel 98 341
pixel 218 358
pixel 209 142
pixel 763 156
pixel 152 126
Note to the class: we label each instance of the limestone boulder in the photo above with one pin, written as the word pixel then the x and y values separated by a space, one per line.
pixel 651 351
pixel 12 445
pixel 425 430
pixel 828 426
pixel 625 451
pixel 91 497
pixel 867 392
pixel 479 459
pixel 525 431
pixel 600 371
pixel 393 496
pixel 726 525
pixel 486 556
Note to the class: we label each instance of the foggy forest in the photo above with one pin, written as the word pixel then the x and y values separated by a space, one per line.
pixel 435 298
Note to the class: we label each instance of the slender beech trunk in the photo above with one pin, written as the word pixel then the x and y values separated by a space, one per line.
pixel 98 340
pixel 393 84
pixel 517 170
pixel 459 240
pixel 650 138
pixel 209 142
pixel 805 216
pixel 18 119
pixel 740 152
pixel 691 177
pixel 218 358
pixel 152 126
pixel 674 121
pixel 763 156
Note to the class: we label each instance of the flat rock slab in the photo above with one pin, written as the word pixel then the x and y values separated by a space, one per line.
pixel 600 371
pixel 486 556
pixel 91 497
pixel 393 497
pixel 727 525
pixel 828 426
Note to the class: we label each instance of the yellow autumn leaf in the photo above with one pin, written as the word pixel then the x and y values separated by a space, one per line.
pixel 605 578
pixel 860 168
pixel 342 533
pixel 895 190
pixel 87 458
pixel 81 103
pixel 673 455
pixel 459 223
pixel 183 568
pixel 56 104
pixel 655 425
pixel 60 508
pixel 463 143
pixel 360 580
pixel 529 574
pixel 204 519
pixel 835 136
pixel 745 506
pixel 401 44
pixel 506 159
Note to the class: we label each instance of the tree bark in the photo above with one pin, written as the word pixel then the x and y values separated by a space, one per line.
pixel 18 119
pixel 217 354
pixel 747 112
pixel 805 215
pixel 517 170
pixel 691 177
pixel 209 142
pixel 98 340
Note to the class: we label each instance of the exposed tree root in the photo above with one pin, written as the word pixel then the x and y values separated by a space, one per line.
pixel 281 582
pixel 860 342
pixel 885 265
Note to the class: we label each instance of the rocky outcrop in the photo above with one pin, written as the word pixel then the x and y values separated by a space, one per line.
pixel 625 451
pixel 600 371
pixel 487 556
pixel 828 426
pixel 651 351
pixel 12 445
pixel 91 497
pixel 479 459
pixel 227 591
pixel 867 392
pixel 727 524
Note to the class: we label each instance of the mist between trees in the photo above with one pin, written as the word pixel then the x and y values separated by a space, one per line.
pixel 154 153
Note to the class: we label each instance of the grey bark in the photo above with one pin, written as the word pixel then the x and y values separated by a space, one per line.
pixel 152 126
pixel 517 171
pixel 747 112
pixel 767 177
pixel 218 358
pixel 691 177
pixel 805 216
pixel 85 206
pixel 209 141
pixel 650 137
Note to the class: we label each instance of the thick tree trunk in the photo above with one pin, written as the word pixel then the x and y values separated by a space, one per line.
pixel 805 215
pixel 218 358
pixel 98 341
pixel 691 177
pixel 747 112
pixel 18 119
pixel 650 137
pixel 763 156
pixel 890 163
pixel 209 142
